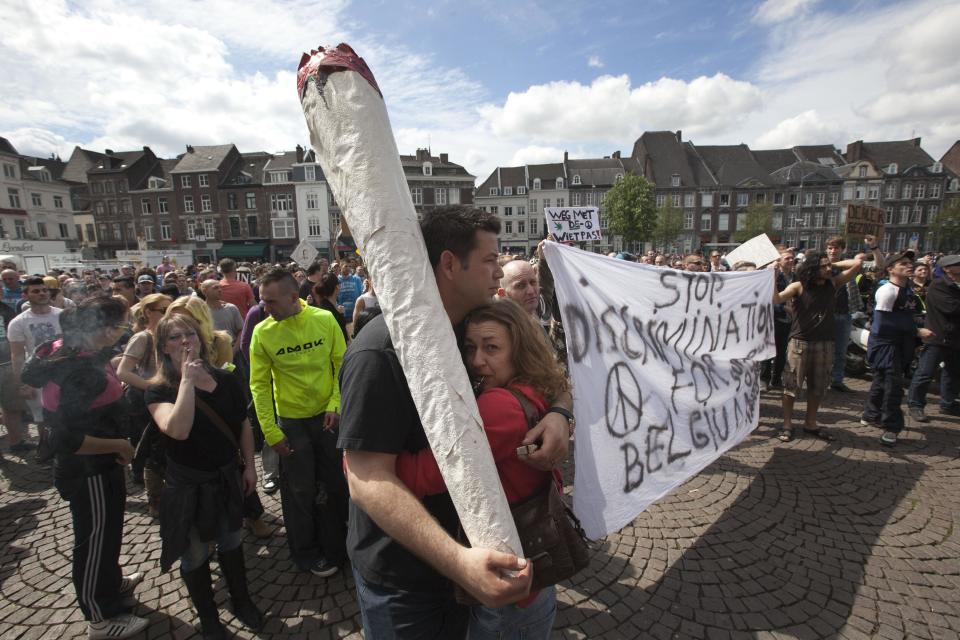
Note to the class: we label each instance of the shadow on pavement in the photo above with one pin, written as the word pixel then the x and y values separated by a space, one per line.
pixel 17 520
pixel 788 555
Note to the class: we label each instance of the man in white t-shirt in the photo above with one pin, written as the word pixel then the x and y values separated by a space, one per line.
pixel 34 326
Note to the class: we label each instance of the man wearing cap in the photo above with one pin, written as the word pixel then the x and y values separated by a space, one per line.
pixel 146 285
pixel 943 319
pixel 893 338
pixel 693 262
pixel 165 267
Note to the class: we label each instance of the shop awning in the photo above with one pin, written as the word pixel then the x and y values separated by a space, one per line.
pixel 253 250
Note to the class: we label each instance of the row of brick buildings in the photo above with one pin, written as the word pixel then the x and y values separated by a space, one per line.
pixel 218 201
pixel 808 189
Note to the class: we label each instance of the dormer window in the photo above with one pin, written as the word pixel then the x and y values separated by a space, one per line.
pixel 937 167
pixel 892 168
pixel 427 169
pixel 619 177
pixel 955 185
pixel 508 191
pixel 521 191
pixel 536 184
pixel 559 183
pixel 494 191
pixel 675 180
pixel 863 171
pixel 156 183
pixel 576 179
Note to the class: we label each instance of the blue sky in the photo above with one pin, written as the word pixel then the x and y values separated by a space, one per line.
pixel 490 83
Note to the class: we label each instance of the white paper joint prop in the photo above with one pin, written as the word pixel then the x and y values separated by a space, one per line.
pixel 350 131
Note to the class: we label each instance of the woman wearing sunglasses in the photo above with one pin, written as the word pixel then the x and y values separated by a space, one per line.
pixel 137 365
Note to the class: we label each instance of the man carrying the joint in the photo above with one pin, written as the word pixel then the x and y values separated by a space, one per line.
pixel 403 552
pixel 295 357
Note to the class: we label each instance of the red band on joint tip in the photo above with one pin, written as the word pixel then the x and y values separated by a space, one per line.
pixel 328 61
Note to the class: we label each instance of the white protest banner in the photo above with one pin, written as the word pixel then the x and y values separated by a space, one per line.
pixel 758 250
pixel 573 224
pixel 664 373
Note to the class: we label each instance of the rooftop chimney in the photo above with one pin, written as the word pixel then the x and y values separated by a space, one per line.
pixel 189 148
pixel 423 155
pixel 916 142
pixel 299 153
pixel 854 151
pixel 444 158
pixel 616 154
pixel 679 136
pixel 109 152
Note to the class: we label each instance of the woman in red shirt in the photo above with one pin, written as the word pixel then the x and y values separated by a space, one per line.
pixel 505 351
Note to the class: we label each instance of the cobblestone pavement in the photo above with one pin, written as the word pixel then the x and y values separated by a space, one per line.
pixel 803 540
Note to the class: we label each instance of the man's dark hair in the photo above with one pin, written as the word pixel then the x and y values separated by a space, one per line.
pixel 454 228
pixel 327 285
pixel 810 269
pixel 227 265
pixel 316 267
pixel 126 281
pixel 171 290
pixel 34 281
pixel 281 275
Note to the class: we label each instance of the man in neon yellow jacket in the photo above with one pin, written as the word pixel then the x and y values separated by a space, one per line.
pixel 295 357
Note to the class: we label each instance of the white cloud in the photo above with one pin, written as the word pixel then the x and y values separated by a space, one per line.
pixel 611 111
pixel 595 62
pixel 805 128
pixel 534 154
pixel 872 73
pixel 776 11
pixel 124 75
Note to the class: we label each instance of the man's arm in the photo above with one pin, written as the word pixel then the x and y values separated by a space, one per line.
pixel 849 273
pixel 375 488
pixel 553 433
pixel 261 389
pixel 793 290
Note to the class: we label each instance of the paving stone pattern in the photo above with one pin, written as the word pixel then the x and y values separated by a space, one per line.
pixel 801 540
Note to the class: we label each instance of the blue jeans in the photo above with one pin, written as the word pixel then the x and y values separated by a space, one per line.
pixel 533 622
pixel 199 551
pixel 842 323
pixel 930 358
pixel 392 614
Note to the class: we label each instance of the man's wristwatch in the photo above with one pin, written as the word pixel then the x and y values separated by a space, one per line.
pixel 566 414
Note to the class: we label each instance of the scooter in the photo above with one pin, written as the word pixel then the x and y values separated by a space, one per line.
pixel 856 357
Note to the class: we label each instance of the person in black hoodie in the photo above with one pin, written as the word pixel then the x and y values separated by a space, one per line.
pixel 82 399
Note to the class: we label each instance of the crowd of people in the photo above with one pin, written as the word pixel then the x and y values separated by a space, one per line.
pixel 186 375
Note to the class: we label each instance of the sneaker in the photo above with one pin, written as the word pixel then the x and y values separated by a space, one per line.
pixel 868 423
pixel 949 410
pixel 270 486
pixel 129 583
pixel 22 447
pixel 323 568
pixel 917 415
pixel 117 627
pixel 839 386
pixel 889 438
